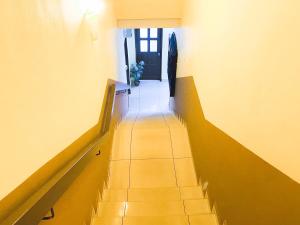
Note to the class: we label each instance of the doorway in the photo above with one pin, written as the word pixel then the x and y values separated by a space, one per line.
pixel 148 43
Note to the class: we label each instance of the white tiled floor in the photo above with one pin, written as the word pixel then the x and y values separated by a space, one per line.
pixel 152 176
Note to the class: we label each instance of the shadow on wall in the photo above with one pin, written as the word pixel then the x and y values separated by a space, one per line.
pixel 247 190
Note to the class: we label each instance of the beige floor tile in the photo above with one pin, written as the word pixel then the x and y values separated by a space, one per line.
pixel 151 143
pixel 149 121
pixel 162 208
pixel 156 220
pixel 119 174
pixel 121 144
pixel 191 192
pixel 172 121
pixel 133 105
pixel 149 105
pixel 199 206
pixel 115 195
pixel 130 118
pixel 153 194
pixel 146 124
pixel 111 209
pixel 152 173
pixel 128 122
pixel 107 221
pixel 208 219
pixel 185 172
pixel 180 143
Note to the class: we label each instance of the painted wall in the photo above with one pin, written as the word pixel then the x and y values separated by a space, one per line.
pixel 55 61
pixel 131 49
pixel 121 57
pixel 148 9
pixel 146 23
pixel 244 56
pixel 121 54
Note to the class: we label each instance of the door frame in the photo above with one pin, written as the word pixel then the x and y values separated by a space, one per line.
pixel 127 61
pixel 159 46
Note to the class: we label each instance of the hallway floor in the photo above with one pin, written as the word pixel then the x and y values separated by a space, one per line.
pixel 152 177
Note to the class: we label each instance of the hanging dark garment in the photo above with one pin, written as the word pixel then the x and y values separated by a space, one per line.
pixel 172 63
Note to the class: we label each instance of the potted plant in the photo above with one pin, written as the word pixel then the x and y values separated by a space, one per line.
pixel 136 71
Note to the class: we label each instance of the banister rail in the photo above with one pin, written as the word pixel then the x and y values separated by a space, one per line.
pixel 29 206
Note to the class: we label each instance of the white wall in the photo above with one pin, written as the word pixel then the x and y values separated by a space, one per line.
pixel 55 60
pixel 131 49
pixel 244 57
pixel 121 57
pixel 121 54
pixel 148 9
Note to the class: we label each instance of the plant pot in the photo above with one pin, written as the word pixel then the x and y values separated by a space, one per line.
pixel 136 82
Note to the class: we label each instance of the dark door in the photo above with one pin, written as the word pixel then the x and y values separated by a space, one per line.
pixel 148 42
pixel 126 61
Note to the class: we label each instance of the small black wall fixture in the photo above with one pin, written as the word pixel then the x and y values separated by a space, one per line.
pixel 51 216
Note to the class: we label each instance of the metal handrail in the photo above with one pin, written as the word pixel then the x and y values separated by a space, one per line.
pixel 32 209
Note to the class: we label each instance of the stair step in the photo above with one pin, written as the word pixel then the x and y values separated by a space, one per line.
pixel 172 120
pixel 107 221
pixel 200 219
pixel 158 208
pixel 114 195
pixel 111 209
pixel 170 208
pixel 191 192
pixel 206 219
pixel 152 194
pixel 199 206
pixel 156 220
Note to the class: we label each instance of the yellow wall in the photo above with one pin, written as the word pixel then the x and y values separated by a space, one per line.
pixel 244 56
pixel 55 60
pixel 148 9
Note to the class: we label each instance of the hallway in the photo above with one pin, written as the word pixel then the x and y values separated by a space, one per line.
pixel 152 177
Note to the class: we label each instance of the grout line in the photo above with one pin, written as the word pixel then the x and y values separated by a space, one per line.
pixel 131 138
pixel 120 160
pixel 188 216
pixel 162 187
pixel 125 208
pixel 189 221
pixel 183 201
pixel 127 189
pixel 170 136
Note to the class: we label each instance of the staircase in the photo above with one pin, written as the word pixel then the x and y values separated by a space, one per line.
pixel 152 178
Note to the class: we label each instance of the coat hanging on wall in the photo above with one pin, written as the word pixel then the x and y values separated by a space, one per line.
pixel 172 63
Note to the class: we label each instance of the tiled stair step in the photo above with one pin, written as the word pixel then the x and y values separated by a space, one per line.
pixel 172 120
pixel 152 194
pixel 107 221
pixel 159 220
pixel 160 208
pixel 203 219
